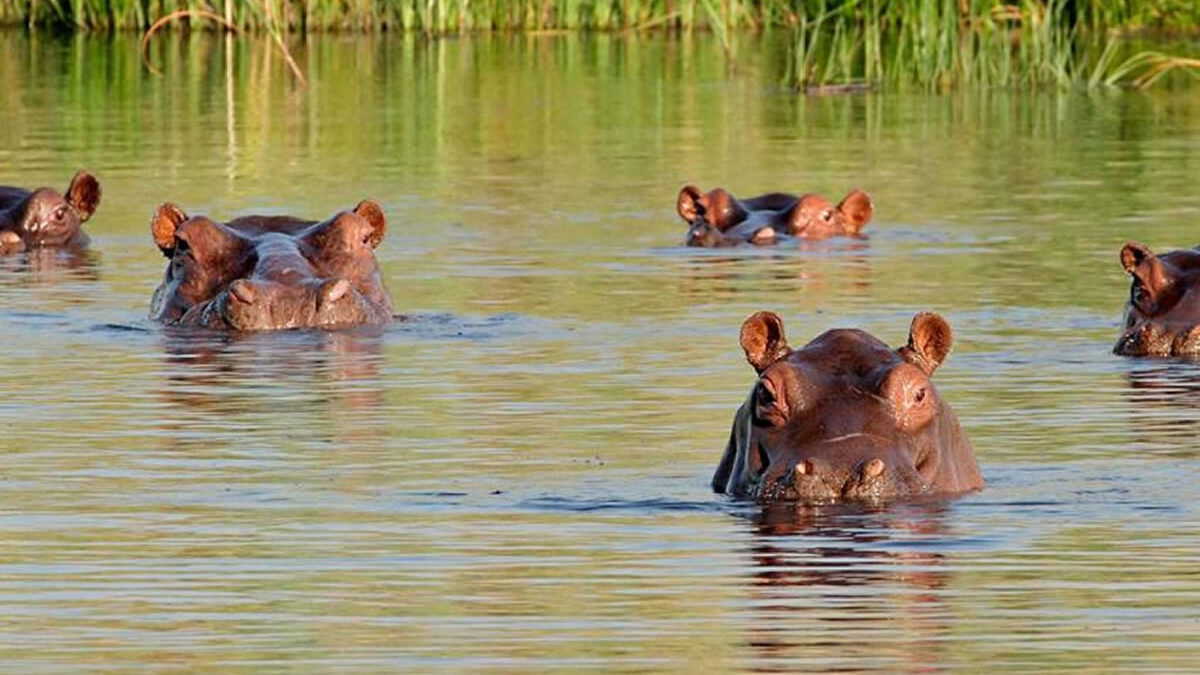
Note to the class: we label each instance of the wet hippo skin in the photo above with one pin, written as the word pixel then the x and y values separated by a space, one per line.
pixel 717 218
pixel 43 218
pixel 845 418
pixel 271 272
pixel 1162 316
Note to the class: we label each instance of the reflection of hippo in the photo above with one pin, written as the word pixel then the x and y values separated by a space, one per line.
pixel 45 218
pixel 1162 317
pixel 845 418
pixel 271 272
pixel 717 218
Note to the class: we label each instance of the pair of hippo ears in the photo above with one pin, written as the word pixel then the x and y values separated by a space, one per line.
pixel 83 194
pixel 169 217
pixel 929 341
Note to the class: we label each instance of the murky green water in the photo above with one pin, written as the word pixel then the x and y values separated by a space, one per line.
pixel 516 480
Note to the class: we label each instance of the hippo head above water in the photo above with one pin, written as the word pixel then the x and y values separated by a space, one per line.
pixel 717 218
pixel 271 272
pixel 845 418
pixel 1162 317
pixel 43 218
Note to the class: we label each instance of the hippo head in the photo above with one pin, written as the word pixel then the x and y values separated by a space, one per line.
pixel 46 218
pixel 267 273
pixel 814 217
pixel 845 418
pixel 1162 317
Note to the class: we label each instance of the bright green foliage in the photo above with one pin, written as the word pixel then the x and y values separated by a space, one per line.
pixel 450 16
pixel 933 44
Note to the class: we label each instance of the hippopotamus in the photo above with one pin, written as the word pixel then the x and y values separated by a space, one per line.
pixel 845 418
pixel 43 218
pixel 1162 317
pixel 717 218
pixel 270 272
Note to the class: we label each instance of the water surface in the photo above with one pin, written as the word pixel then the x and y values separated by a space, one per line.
pixel 516 479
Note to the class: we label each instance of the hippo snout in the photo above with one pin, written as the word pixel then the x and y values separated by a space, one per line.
pixel 1152 338
pixel 256 305
pixel 817 480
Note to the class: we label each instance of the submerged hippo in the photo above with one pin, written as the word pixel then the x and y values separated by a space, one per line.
pixel 270 272
pixel 1162 317
pixel 43 218
pixel 717 218
pixel 845 418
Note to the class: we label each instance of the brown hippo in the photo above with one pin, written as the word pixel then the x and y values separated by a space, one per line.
pixel 845 418
pixel 1162 317
pixel 717 218
pixel 270 272
pixel 43 218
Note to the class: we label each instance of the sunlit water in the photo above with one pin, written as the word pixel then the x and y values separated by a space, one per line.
pixel 515 478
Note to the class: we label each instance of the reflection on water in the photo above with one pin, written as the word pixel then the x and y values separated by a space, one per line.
pixel 48 266
pixel 220 377
pixel 515 477
pixel 832 586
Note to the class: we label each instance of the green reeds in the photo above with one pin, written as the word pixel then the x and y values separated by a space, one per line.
pixel 940 44
pixel 934 44
pixel 452 16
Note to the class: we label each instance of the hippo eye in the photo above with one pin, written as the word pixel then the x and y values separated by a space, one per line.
pixel 1140 296
pixel 60 213
pixel 768 409
pixel 181 246
pixel 827 214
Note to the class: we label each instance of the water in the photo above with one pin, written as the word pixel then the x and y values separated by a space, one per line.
pixel 515 479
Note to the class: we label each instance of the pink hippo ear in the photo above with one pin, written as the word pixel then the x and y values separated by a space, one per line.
pixel 689 206
pixel 763 340
pixel 370 211
pixel 166 220
pixel 1133 254
pixel 929 342
pixel 1141 264
pixel 857 210
pixel 83 194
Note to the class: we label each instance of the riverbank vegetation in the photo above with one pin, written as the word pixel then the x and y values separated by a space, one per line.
pixel 933 44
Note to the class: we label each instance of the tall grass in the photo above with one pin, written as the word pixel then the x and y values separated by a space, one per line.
pixel 452 16
pixel 937 44
pixel 895 43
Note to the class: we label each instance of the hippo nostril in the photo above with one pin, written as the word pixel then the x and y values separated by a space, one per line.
pixel 242 291
pixel 873 468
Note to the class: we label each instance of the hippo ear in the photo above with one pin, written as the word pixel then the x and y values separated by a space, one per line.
pixel 83 194
pixel 1141 263
pixel 857 209
pixel 1134 254
pixel 370 211
pixel 929 342
pixel 166 219
pixel 763 340
pixel 689 206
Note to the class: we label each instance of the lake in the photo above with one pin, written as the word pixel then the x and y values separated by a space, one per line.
pixel 515 477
